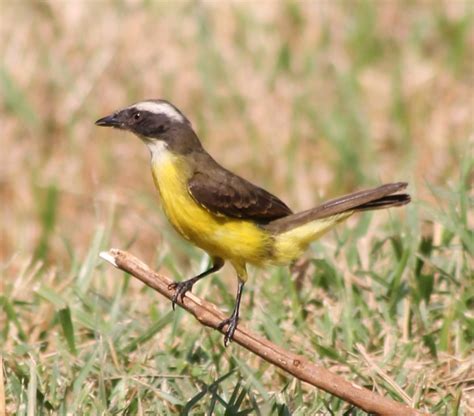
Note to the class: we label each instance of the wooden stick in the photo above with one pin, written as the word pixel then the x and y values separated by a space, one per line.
pixel 296 365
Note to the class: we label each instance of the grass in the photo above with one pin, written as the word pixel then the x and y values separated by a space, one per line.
pixel 309 100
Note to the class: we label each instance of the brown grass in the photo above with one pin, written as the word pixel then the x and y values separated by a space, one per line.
pixel 309 99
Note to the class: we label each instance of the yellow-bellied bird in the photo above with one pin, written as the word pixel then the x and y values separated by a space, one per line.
pixel 223 214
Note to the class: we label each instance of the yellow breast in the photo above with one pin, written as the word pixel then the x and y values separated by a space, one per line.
pixel 232 239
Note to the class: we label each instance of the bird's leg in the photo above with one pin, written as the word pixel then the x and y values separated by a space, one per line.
pixel 182 287
pixel 233 320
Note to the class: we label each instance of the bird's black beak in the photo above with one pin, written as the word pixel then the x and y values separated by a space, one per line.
pixel 109 121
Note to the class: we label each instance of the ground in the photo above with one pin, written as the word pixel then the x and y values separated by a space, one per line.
pixel 308 99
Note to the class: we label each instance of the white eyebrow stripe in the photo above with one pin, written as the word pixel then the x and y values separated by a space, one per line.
pixel 159 108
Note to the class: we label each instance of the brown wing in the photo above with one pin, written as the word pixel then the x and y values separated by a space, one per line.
pixel 224 193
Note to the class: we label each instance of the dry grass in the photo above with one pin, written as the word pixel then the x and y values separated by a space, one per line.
pixel 309 99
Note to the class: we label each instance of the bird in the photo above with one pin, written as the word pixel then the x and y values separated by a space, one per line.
pixel 224 214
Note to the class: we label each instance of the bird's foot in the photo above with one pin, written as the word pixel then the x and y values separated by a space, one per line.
pixel 232 326
pixel 180 290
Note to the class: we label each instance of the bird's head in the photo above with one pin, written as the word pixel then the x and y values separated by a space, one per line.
pixel 155 122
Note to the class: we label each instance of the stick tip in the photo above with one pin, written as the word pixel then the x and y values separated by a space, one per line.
pixel 109 257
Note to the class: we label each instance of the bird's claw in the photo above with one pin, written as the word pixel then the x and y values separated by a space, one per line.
pixel 180 290
pixel 229 333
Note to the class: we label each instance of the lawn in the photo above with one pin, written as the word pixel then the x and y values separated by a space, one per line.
pixel 307 99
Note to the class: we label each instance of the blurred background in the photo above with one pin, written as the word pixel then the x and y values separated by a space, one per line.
pixel 307 99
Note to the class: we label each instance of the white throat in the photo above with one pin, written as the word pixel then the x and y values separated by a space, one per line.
pixel 158 150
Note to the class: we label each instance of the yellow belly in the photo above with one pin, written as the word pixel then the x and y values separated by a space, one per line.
pixel 293 243
pixel 236 240
pixel 232 239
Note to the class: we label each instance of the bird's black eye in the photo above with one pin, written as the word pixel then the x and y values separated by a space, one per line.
pixel 137 116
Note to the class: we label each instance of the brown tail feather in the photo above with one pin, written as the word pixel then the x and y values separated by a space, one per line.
pixel 388 201
pixel 370 199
